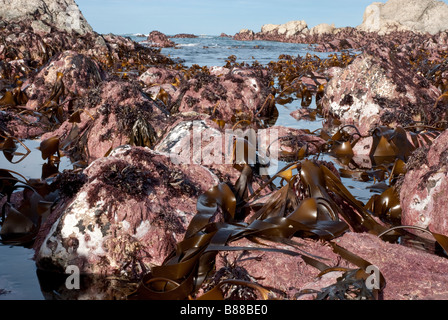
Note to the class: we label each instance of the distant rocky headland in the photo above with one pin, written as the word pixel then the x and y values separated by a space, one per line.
pixel 398 17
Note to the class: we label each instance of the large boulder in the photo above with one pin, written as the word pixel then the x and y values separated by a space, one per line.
pixel 62 14
pixel 424 191
pixel 403 15
pixel 322 28
pixel 232 95
pixel 377 88
pixel 131 212
pixel 245 35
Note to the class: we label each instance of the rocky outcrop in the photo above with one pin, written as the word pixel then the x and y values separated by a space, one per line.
pixel 63 15
pixel 185 36
pixel 133 209
pixel 115 113
pixel 288 29
pixel 159 40
pixel 398 15
pixel 323 28
pixel 244 35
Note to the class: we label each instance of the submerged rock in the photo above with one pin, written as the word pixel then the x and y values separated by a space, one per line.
pixel 131 212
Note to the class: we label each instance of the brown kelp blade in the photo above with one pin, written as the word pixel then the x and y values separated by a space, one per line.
pixel 16 225
pixel 441 239
pixel 49 147
pixel 385 205
pixel 358 261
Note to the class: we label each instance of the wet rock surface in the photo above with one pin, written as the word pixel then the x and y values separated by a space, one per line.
pixel 118 223
pixel 237 95
pixel 116 113
pixel 402 268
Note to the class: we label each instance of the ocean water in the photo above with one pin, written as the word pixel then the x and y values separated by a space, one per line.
pixel 17 269
pixel 214 50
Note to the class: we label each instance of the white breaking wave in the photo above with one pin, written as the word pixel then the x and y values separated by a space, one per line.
pixel 187 44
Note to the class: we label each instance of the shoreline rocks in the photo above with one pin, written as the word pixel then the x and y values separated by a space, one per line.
pixel 120 110
pixel 375 90
pixel 404 269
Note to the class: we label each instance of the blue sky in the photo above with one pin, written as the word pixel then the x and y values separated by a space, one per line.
pixel 215 16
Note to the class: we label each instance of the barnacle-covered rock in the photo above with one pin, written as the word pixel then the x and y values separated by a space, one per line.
pixel 131 212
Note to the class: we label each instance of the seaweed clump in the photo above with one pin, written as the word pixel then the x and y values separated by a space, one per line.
pixel 69 183
pixel 121 180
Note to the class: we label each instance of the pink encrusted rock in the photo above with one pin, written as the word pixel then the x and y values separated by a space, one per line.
pixel 236 95
pixel 116 107
pixel 409 273
pixel 131 212
pixel 376 89
pixel 80 73
pixel 284 274
pixel 244 35
pixel 24 127
pixel 424 192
